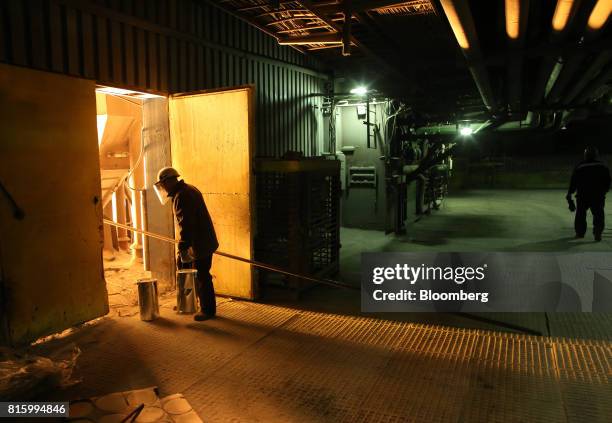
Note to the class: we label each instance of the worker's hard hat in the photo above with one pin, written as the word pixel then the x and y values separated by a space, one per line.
pixel 167 173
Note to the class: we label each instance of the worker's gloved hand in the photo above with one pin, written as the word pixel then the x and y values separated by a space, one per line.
pixel 185 256
pixel 570 203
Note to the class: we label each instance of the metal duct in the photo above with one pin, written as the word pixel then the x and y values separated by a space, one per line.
pixel 604 76
pixel 596 67
pixel 462 23
pixel 561 18
pixel 516 23
pixel 574 62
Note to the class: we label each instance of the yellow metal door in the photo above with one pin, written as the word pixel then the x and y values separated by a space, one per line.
pixel 50 261
pixel 211 138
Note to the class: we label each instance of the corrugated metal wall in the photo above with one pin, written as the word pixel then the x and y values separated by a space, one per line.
pixel 170 46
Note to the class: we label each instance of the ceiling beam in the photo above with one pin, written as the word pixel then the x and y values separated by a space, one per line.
pixel 364 49
pixel 357 6
pixel 311 39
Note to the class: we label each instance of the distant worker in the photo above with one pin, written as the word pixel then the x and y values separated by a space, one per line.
pixel 198 240
pixel 590 181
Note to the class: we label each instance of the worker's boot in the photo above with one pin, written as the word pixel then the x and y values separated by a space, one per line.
pixel 200 317
pixel 578 236
pixel 597 237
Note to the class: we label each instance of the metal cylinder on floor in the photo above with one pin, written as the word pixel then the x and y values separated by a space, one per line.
pixel 186 291
pixel 147 299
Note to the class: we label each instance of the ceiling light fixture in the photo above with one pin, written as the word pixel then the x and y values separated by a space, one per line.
pixel 361 90
pixel 455 23
pixel 562 14
pixel 600 14
pixel 466 131
pixel 513 13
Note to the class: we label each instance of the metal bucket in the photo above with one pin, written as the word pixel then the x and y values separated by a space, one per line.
pixel 186 291
pixel 147 299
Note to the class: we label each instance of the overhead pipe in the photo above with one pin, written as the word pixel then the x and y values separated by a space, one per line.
pixel 516 24
pixel 575 61
pixel 598 18
pixel 462 24
pixel 562 16
pixel 596 67
pixel 604 76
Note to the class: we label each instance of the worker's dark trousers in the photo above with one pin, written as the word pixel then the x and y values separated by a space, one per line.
pixel 204 285
pixel 206 291
pixel 597 209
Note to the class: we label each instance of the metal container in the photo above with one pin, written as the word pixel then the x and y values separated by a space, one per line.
pixel 147 299
pixel 186 291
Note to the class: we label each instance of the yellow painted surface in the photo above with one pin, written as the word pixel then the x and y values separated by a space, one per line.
pixel 211 148
pixel 52 260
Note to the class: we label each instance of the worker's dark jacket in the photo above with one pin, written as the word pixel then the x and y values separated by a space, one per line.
pixel 195 225
pixel 590 180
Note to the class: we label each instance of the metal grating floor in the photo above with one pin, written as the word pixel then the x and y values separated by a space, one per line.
pixel 263 363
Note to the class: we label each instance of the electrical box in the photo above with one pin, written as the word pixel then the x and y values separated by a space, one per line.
pixel 363 176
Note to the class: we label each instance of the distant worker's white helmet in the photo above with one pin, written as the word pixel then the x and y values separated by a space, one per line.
pixel 163 175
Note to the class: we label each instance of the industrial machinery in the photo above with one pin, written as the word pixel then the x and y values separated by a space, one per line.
pixel 417 169
pixel 298 218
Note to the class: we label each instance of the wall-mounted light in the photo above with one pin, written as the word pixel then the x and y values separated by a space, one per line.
pixel 361 90
pixel 562 14
pixel 600 14
pixel 513 15
pixel 455 23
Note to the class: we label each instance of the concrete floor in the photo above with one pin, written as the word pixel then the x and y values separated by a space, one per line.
pixel 484 220
pixel 320 360
pixel 121 271
pixel 264 363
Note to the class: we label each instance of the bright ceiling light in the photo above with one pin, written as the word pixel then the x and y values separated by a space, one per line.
pixel 124 92
pixel 466 131
pixel 513 12
pixel 562 14
pixel 359 90
pixel 455 23
pixel 600 14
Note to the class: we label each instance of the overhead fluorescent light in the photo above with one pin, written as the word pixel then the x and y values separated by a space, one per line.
pixel 455 23
pixel 600 14
pixel 513 12
pixel 562 14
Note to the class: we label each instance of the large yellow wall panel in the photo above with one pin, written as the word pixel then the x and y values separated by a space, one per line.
pixel 211 148
pixel 51 261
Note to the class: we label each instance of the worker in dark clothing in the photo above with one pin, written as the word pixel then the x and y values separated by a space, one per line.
pixel 590 181
pixel 198 240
